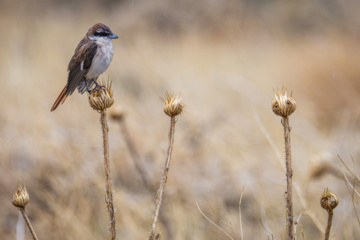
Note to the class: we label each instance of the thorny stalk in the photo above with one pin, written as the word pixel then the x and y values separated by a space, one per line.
pixel 141 169
pixel 328 227
pixel 164 179
pixel 289 200
pixel 172 107
pixel 284 105
pixel 100 101
pixel 297 189
pixel 109 193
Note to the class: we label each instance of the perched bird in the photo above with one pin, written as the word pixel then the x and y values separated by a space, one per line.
pixel 92 57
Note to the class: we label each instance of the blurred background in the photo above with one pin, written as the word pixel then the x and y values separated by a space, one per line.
pixel 226 58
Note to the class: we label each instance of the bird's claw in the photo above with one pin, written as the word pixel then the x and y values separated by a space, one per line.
pixel 98 88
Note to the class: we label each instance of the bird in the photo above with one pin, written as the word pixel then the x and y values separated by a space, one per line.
pixel 91 58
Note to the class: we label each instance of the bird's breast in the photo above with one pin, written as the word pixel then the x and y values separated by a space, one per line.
pixel 101 60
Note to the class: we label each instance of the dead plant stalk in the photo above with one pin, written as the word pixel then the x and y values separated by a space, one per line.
pixel 328 227
pixel 173 107
pixel 164 178
pixel 26 218
pixel 284 105
pixel 289 200
pixel 100 100
pixel 20 199
pixel 329 202
pixel 109 196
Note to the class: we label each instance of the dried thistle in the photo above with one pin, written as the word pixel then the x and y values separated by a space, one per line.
pixel 283 105
pixel 329 201
pixel 173 105
pixel 20 197
pixel 102 99
pixel 20 200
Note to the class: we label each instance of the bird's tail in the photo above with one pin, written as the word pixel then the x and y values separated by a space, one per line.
pixel 60 99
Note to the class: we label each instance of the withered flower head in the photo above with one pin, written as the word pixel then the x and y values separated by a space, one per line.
pixel 20 197
pixel 283 105
pixel 329 201
pixel 173 105
pixel 102 99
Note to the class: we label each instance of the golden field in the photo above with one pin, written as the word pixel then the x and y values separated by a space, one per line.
pixel 226 58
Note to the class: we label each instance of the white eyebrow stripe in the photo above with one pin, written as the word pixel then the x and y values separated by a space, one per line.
pixel 82 66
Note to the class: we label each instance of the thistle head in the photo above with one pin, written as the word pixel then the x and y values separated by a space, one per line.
pixel 172 104
pixel 102 99
pixel 20 197
pixel 283 104
pixel 328 200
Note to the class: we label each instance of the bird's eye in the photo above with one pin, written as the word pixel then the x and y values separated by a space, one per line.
pixel 101 34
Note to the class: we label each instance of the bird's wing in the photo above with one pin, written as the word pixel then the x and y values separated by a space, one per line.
pixel 80 64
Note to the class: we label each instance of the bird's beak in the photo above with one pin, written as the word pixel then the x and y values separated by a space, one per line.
pixel 113 36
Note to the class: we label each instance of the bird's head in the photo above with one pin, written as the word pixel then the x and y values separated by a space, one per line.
pixel 100 32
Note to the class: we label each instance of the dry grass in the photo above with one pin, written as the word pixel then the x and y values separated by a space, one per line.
pixel 225 61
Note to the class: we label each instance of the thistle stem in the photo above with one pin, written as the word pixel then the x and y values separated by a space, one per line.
pixel 108 195
pixel 142 172
pixel 164 179
pixel 328 227
pixel 289 201
pixel 27 220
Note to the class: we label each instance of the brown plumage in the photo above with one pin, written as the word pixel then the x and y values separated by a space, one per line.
pixel 91 58
pixel 61 99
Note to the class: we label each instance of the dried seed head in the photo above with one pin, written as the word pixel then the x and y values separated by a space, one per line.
pixel 173 105
pixel 20 197
pixel 329 201
pixel 102 99
pixel 282 104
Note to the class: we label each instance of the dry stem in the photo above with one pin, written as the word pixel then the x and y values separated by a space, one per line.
pixel 213 222
pixel 298 191
pixel 108 196
pixel 353 202
pixel 329 202
pixel 328 227
pixel 220 219
pixel 141 169
pixel 164 178
pixel 27 220
pixel 241 228
pixel 349 169
pixel 289 201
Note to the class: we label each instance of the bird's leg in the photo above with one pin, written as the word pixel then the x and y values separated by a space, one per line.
pixel 98 87
pixel 87 86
